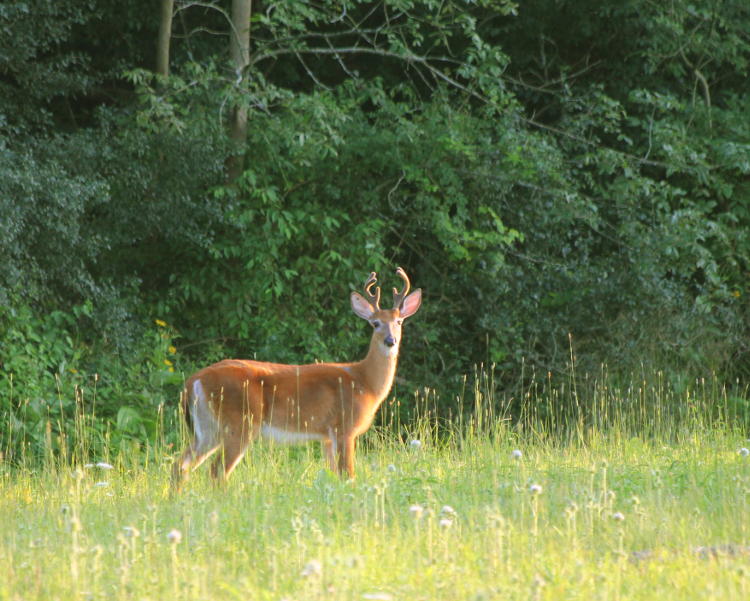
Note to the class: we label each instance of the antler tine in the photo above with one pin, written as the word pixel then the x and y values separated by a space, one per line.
pixel 398 297
pixel 373 298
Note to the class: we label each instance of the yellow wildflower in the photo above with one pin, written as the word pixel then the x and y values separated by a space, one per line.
pixel 72 370
pixel 161 323
pixel 172 350
pixel 167 362
pixel 171 370
pixel 736 293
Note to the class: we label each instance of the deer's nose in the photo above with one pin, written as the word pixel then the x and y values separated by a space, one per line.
pixel 390 340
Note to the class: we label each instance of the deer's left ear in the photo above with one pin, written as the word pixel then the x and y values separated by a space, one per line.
pixel 361 306
pixel 411 303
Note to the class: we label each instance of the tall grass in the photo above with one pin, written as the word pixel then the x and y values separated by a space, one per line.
pixel 557 491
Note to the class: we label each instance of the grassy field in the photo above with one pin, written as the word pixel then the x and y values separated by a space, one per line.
pixel 494 513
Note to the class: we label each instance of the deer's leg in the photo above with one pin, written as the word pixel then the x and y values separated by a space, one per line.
pixel 198 451
pixel 330 448
pixel 234 445
pixel 346 456
pixel 205 439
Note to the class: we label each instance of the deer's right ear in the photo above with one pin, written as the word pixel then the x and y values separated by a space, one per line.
pixel 361 306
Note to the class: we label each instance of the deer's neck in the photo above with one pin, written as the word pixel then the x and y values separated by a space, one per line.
pixel 378 369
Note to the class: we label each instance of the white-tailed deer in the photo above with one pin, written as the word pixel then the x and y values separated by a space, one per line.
pixel 232 402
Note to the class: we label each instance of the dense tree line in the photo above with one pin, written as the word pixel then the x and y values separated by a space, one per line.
pixel 563 179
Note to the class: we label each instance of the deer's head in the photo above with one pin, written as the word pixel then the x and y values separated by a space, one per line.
pixel 386 323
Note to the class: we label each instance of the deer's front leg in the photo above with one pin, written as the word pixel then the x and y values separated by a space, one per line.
pixel 346 456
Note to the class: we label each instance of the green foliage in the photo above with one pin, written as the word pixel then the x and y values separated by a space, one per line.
pixel 59 398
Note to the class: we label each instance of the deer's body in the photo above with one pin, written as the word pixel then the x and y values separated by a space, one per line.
pixel 233 402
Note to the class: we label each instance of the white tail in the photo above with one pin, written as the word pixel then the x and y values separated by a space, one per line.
pixel 232 402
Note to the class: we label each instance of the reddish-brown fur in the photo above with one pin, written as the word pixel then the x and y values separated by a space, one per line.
pixel 237 400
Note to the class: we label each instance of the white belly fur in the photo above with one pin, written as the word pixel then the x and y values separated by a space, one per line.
pixel 286 436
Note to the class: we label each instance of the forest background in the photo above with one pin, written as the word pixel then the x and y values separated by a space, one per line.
pixel 567 181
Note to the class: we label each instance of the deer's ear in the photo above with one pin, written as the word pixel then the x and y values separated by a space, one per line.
pixel 361 306
pixel 411 303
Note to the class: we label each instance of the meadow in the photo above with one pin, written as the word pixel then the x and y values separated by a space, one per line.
pixel 641 494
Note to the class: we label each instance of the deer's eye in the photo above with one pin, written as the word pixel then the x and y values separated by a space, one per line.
pixel 375 324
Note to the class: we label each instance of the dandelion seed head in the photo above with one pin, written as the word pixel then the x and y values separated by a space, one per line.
pixel 535 489
pixel 415 444
pixel 516 454
pixel 447 510
pixel 174 536
pixel 618 516
pixel 744 452
pixel 391 467
pixel 445 523
pixel 416 510
pixel 313 568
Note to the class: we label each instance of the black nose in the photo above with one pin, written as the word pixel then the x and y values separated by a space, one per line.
pixel 390 341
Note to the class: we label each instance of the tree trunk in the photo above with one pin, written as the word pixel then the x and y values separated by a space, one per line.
pixel 165 35
pixel 239 52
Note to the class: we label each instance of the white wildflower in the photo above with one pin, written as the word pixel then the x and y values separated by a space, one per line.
pixel 516 454
pixel 744 452
pixel 447 510
pixel 618 516
pixel 103 465
pixel 101 484
pixel 445 523
pixel 416 510
pixel 391 467
pixel 535 489
pixel 415 444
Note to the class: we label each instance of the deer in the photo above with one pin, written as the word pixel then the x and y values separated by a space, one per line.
pixel 233 402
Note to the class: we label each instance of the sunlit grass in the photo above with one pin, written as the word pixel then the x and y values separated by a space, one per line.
pixel 592 492
pixel 614 517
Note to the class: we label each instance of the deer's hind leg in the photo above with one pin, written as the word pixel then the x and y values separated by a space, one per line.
pixel 205 440
pixel 236 435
